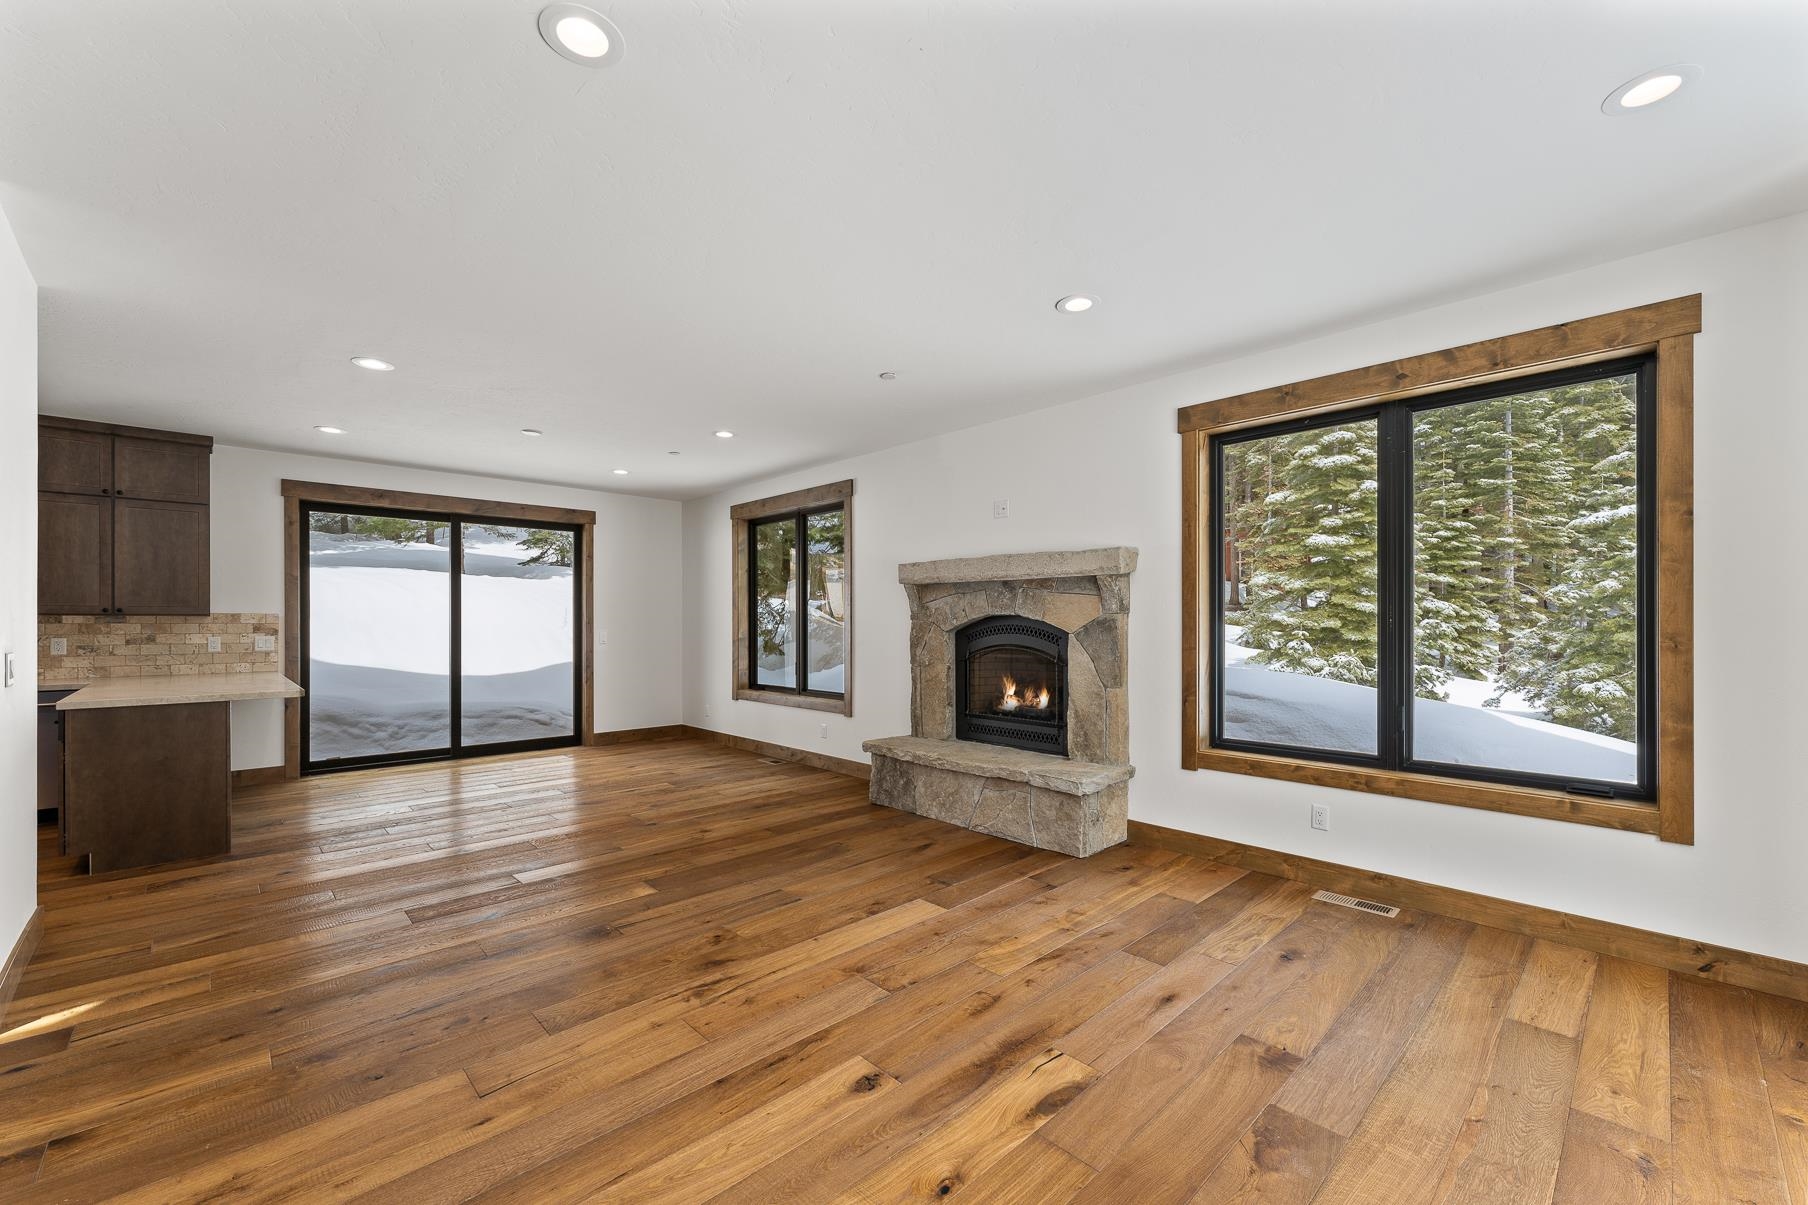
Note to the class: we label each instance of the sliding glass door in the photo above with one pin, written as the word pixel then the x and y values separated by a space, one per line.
pixel 428 636
pixel 518 635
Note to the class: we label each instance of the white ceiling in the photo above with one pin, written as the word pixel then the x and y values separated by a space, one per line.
pixel 762 206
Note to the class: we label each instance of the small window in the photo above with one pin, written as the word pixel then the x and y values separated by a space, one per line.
pixel 794 598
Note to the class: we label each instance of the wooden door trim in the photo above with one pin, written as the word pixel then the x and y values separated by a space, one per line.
pixel 295 493
pixel 477 508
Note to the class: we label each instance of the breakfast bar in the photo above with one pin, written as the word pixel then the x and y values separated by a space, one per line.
pixel 148 766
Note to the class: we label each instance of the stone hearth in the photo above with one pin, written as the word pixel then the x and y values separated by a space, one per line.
pixel 1077 804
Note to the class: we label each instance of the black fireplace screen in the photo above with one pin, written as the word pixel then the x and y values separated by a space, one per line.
pixel 1011 677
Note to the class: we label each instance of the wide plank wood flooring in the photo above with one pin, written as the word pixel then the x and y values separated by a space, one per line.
pixel 677 972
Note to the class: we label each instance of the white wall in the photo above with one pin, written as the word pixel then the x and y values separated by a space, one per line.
pixel 1110 472
pixel 18 589
pixel 638 582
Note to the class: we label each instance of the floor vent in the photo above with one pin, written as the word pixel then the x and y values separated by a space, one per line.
pixel 1350 901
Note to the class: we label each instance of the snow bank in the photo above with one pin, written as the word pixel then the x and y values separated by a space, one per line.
pixel 358 711
pixel 1275 707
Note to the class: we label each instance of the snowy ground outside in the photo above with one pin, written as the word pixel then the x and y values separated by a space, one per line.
pixel 379 660
pixel 828 656
pixel 1276 707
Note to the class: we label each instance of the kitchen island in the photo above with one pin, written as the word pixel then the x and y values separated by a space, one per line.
pixel 147 765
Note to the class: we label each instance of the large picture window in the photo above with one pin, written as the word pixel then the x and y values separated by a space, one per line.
pixel 794 598
pixel 1464 577
pixel 1457 584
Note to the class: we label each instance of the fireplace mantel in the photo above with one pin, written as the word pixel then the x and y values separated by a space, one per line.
pixel 1020 566
pixel 1079 803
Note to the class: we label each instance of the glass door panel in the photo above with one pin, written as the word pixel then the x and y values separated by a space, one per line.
pixel 517 634
pixel 378 609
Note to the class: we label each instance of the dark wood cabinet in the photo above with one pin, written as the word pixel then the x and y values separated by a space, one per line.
pixel 75 554
pixel 50 750
pixel 160 558
pixel 122 520
pixel 74 461
pixel 147 784
pixel 159 470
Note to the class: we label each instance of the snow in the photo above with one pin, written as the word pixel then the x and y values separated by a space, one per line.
pixel 358 711
pixel 379 655
pixel 1276 707
pixel 828 642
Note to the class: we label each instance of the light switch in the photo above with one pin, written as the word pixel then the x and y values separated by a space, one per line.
pixel 264 644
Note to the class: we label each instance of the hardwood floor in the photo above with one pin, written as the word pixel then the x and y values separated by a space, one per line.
pixel 676 972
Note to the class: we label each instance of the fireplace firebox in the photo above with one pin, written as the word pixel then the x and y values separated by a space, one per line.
pixel 1010 677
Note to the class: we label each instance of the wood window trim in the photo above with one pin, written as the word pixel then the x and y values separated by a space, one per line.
pixel 1666 328
pixel 294 493
pixel 742 516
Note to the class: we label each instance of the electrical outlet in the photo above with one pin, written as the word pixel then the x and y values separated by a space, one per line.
pixel 825 731
pixel 602 635
pixel 213 644
pixel 1001 508
pixel 1321 817
pixel 263 644
pixel 59 646
pixel 706 711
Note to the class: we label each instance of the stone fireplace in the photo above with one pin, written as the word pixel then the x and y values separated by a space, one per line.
pixel 1019 712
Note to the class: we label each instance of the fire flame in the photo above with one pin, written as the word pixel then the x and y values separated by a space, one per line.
pixel 1033 697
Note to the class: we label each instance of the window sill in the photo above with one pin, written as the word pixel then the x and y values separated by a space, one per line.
pixel 1519 801
pixel 842 706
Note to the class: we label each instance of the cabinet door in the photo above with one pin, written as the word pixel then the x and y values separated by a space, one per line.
pixel 160 558
pixel 74 462
pixel 159 470
pixel 75 554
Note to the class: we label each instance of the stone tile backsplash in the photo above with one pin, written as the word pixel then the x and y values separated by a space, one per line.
pixel 140 646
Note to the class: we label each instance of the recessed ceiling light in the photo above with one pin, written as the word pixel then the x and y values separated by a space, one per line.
pixel 532 431
pixel 725 435
pixel 888 376
pixel 330 430
pixel 580 34
pixel 671 453
pixel 1076 303
pixel 619 472
pixel 372 363
pixel 1646 90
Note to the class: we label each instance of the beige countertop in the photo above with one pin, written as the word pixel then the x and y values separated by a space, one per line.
pixel 165 689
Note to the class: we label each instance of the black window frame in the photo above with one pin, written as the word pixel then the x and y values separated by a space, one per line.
pixel 456 748
pixel 1395 597
pixel 799 520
